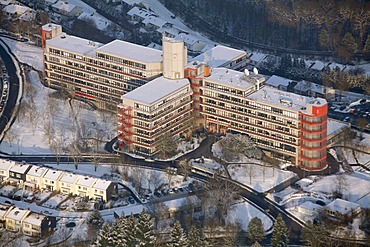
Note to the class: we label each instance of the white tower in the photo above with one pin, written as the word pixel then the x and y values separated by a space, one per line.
pixel 174 58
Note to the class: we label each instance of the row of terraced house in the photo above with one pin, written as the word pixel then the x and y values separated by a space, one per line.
pixel 25 221
pixel 156 93
pixel 33 177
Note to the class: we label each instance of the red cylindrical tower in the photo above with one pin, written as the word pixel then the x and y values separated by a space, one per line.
pixel 314 136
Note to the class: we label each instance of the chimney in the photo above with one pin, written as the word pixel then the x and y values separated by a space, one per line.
pixel 207 70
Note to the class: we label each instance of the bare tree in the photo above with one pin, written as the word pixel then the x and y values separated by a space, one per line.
pixel 49 130
pixel 136 178
pixel 96 160
pixel 167 145
pixel 11 135
pixel 185 167
pixel 57 147
pixel 341 184
pixel 250 171
pixel 155 179
pixel 361 123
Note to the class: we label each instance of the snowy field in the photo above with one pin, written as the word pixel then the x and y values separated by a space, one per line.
pixel 25 53
pixel 32 138
pixel 357 187
pixel 248 212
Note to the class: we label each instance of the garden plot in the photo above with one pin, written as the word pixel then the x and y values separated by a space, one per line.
pixel 55 201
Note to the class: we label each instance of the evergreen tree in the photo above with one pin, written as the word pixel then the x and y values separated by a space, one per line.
pixel 131 227
pixel 194 237
pixel 95 218
pixel 104 238
pixel 144 230
pixel 280 233
pixel 256 232
pixel 178 238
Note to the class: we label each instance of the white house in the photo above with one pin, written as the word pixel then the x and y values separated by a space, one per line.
pixel 67 183
pixel 36 225
pixel 14 219
pixel 5 166
pixel 103 190
pixel 51 179
pixel 279 82
pixel 4 210
pixel 340 209
pixel 84 185
pixel 34 177
pixel 64 8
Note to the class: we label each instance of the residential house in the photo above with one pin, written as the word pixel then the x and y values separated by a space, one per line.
pixel 103 190
pixel 279 82
pixel 14 219
pixel 5 166
pixel 84 185
pixel 17 173
pixel 341 209
pixel 314 90
pixel 67 183
pixel 4 211
pixel 14 10
pixel 64 8
pixel 134 210
pixel 50 180
pixel 34 177
pixel 37 225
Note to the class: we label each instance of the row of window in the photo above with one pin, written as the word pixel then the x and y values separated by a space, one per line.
pixel 120 61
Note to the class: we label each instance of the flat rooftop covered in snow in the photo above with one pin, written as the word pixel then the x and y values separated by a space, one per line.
pixel 131 51
pixel 218 56
pixel 277 81
pixel 155 90
pixel 17 214
pixel 280 99
pixel 101 184
pixel 4 209
pixel 335 126
pixel 37 171
pixel 85 181
pixel 233 78
pixel 53 174
pixel 20 168
pixel 74 44
pixel 34 219
pixel 342 206
pixel 69 178
pixel 6 164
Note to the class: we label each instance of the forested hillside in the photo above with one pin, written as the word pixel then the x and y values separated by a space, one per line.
pixel 341 26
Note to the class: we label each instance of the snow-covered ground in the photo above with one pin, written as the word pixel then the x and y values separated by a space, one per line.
pixel 31 138
pixel 248 212
pixel 25 53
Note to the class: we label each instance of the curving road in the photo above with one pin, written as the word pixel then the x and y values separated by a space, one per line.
pixel 13 86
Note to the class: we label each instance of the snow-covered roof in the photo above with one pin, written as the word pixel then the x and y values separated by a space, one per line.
pixel 139 12
pixel 68 177
pixel 4 209
pixel 74 44
pixel 131 51
pixel 218 56
pixel 307 85
pixel 17 214
pixel 101 184
pixel 317 65
pixel 154 21
pixel 27 16
pixel 34 219
pixel 15 9
pixel 132 2
pixel 50 26
pixel 276 81
pixel 85 181
pixel 5 165
pixel 64 6
pixel 181 202
pixel 6 2
pixel 20 168
pixel 275 97
pixel 304 182
pixel 53 174
pixel 342 206
pixel 37 171
pixel 50 2
pixel 334 126
pixel 335 65
pixel 233 78
pixel 257 57
pixel 127 211
pixel 156 90
pixel 310 206
pixel 155 46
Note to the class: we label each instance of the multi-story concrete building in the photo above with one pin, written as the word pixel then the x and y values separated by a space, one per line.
pixel 95 72
pixel 160 107
pixel 288 126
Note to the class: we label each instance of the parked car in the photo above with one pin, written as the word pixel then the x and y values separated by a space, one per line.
pixel 47 212
pixel 157 194
pixel 70 224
